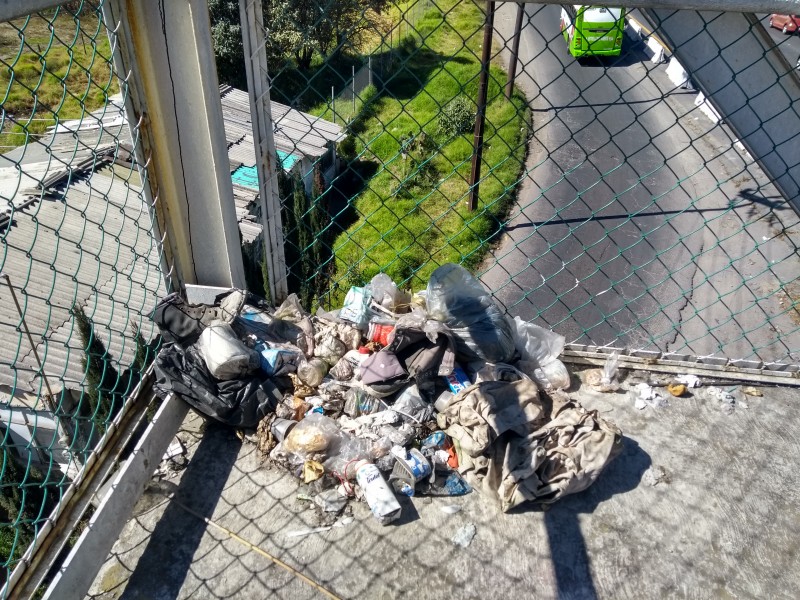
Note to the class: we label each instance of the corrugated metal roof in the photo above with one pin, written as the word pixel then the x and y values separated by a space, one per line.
pixel 92 248
pixel 76 231
pixel 295 131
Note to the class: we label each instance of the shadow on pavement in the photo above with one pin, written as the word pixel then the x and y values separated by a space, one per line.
pixel 571 562
pixel 172 545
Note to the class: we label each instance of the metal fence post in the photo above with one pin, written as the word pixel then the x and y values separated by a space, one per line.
pixel 477 152
pixel 512 63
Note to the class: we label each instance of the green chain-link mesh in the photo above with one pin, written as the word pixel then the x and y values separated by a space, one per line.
pixel 612 208
pixel 78 255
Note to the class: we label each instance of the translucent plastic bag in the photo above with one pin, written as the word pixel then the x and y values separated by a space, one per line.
pixel 459 300
pixel 386 293
pixel 541 348
pixel 314 434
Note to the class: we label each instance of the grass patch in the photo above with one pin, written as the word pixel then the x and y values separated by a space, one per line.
pixel 412 214
pixel 53 67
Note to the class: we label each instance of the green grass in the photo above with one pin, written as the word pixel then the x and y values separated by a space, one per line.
pixel 52 68
pixel 412 214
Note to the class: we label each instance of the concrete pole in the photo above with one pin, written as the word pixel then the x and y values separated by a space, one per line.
pixel 167 57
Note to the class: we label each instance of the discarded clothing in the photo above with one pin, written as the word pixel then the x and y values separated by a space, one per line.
pixel 561 453
pixel 182 323
pixel 480 414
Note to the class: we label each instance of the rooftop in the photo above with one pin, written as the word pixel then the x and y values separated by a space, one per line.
pixel 75 237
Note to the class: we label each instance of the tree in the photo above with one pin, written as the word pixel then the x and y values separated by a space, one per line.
pixel 226 32
pixel 303 27
pixel 24 504
pixel 103 385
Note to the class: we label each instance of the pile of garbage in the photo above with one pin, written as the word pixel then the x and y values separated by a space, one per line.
pixel 434 393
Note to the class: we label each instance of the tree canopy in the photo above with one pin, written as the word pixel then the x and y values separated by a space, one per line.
pixel 297 30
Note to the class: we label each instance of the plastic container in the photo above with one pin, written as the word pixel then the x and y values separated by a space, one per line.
pixel 382 501
pixel 281 427
pixel 409 471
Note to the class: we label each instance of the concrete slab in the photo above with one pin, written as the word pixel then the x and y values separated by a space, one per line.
pixel 699 504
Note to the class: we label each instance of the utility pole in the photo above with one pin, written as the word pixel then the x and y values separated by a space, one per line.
pixel 477 145
pixel 512 64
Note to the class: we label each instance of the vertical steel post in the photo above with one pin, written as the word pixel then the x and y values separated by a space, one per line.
pixel 480 117
pixel 512 63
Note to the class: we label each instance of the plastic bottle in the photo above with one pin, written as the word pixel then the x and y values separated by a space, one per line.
pixel 380 497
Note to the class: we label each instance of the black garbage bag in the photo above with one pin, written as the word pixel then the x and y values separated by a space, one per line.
pixel 241 402
pixel 457 299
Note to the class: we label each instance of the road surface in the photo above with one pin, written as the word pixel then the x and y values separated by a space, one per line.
pixel 629 229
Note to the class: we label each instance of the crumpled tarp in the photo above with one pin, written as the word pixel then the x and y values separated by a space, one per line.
pixel 515 447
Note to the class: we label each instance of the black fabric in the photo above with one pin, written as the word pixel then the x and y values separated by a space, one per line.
pixel 239 402
pixel 424 360
pixel 182 323
pixel 179 321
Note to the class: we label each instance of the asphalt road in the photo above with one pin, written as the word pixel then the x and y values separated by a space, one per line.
pixel 789 44
pixel 629 228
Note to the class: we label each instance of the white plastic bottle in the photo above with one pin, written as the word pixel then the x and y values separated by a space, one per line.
pixel 379 495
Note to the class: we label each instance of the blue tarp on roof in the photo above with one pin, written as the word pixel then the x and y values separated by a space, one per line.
pixel 246 175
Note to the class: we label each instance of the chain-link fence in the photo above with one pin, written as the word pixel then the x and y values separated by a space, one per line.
pixel 612 202
pixel 80 262
pixel 600 196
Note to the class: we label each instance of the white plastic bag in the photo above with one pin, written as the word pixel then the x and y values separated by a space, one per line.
pixel 224 354
pixel 541 348
pixel 386 293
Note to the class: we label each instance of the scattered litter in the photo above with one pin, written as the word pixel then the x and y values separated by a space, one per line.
pixel 175 449
pixel 330 501
pixel 605 379
pixel 726 399
pixel 343 522
pixel 743 404
pixel 463 537
pixel 691 381
pixel 392 394
pixel 312 470
pixel 647 396
pixel 379 496
pixel 751 391
pixel 655 475
pixel 677 389
pixel 450 509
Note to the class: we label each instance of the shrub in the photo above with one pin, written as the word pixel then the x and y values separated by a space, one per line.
pixel 457 117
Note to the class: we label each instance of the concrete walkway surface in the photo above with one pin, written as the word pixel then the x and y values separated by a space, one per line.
pixel 700 504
